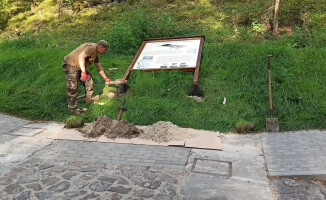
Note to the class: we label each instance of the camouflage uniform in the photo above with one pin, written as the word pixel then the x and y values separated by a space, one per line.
pixel 73 75
pixel 71 67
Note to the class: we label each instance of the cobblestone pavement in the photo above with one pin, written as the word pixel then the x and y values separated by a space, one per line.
pixel 44 179
pixel 34 167
pixel 60 171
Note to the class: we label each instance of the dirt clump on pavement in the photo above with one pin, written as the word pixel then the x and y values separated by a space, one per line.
pixel 158 132
pixel 103 125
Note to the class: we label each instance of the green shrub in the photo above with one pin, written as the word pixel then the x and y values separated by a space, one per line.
pixel 300 38
pixel 128 31
pixel 294 12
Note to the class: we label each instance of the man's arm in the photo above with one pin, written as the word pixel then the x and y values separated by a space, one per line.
pixel 101 72
pixel 81 59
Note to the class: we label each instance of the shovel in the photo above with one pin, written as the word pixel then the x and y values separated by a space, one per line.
pixel 271 123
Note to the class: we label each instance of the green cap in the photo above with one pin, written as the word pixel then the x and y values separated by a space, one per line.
pixel 103 43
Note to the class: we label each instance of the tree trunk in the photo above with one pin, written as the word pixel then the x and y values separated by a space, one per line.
pixel 59 10
pixel 275 24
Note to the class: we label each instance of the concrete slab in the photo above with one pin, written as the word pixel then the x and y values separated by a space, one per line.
pixel 70 134
pixel 214 167
pixel 247 181
pixel 29 132
pixel 204 186
pixel 45 125
pixel 50 128
pixel 9 123
pixel 16 148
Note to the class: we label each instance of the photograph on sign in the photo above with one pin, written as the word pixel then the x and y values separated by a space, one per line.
pixel 169 54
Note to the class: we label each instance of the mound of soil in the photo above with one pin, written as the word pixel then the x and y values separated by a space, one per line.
pixel 164 132
pixel 158 132
pixel 103 125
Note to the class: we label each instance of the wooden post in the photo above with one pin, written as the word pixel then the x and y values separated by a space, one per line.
pixel 196 74
pixel 127 73
pixel 275 22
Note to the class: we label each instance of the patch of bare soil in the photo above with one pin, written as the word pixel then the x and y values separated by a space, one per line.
pixel 158 132
pixel 110 128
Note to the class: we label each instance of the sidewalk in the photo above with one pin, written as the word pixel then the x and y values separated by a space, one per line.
pixel 34 167
pixel 300 154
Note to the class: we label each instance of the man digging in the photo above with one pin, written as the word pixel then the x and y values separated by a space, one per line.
pixel 75 64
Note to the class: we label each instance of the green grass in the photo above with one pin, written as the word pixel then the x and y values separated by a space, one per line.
pixel 33 86
pixel 233 66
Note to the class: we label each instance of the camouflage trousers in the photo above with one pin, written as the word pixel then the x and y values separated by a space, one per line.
pixel 73 75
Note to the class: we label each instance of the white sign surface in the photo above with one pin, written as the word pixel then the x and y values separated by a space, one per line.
pixel 168 55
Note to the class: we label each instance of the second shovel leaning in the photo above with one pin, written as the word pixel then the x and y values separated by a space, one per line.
pixel 271 123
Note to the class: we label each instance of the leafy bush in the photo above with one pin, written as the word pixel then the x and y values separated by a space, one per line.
pixel 3 21
pixel 295 12
pixel 129 31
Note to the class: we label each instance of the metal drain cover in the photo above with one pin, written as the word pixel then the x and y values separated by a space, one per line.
pixel 216 167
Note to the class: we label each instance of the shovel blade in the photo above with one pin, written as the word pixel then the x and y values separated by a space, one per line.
pixel 272 125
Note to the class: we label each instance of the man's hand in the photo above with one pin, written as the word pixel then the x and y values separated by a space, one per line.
pixel 83 76
pixel 107 80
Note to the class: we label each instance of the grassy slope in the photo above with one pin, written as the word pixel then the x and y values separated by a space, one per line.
pixel 32 83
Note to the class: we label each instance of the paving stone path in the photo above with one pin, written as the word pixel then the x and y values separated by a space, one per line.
pixel 43 179
pixel 123 154
pixel 300 154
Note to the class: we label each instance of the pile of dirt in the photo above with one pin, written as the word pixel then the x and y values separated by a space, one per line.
pixel 158 132
pixel 103 125
pixel 165 132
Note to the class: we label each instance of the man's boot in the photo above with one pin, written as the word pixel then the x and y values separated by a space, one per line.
pixel 92 99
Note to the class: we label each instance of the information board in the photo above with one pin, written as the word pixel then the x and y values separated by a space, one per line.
pixel 171 54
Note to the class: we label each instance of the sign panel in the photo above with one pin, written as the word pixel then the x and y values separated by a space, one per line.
pixel 168 54
pixel 182 53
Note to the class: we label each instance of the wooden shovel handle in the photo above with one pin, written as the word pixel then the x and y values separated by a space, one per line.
pixel 119 115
